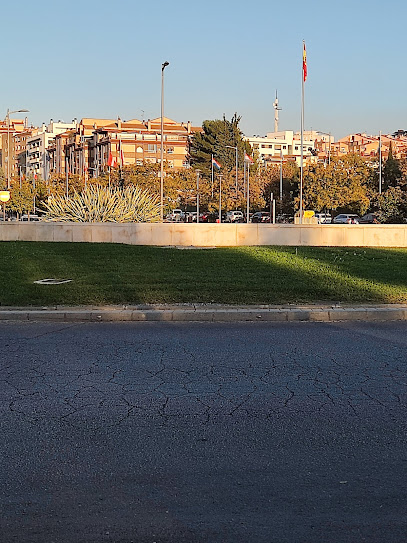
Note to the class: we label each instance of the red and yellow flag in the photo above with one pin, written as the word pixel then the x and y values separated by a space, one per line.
pixel 304 62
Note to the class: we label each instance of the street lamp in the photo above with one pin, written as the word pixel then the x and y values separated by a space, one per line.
pixel 163 66
pixel 329 144
pixel 8 140
pixel 232 147
pixel 197 195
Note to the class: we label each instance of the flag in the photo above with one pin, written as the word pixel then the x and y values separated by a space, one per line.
pixel 110 160
pixel 248 159
pixel 304 63
pixel 215 163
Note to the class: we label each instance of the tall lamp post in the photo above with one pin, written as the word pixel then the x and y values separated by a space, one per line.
pixel 232 147
pixel 163 66
pixel 329 144
pixel 197 195
pixel 8 140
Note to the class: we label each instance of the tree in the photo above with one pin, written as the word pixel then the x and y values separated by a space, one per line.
pixel 3 182
pixel 391 205
pixel 21 197
pixel 392 173
pixel 270 183
pixel 217 139
pixel 343 184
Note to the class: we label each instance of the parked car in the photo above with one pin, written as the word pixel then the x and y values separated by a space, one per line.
pixel 204 217
pixel 284 218
pixel 214 217
pixel 30 218
pixel 261 216
pixel 176 215
pixel 323 218
pixel 346 218
pixel 234 216
pixel 190 216
pixel 369 218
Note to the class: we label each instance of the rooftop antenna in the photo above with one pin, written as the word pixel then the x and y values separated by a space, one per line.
pixel 276 110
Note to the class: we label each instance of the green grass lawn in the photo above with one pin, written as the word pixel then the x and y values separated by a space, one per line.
pixel 125 274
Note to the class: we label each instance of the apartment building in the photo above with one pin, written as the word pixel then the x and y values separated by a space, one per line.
pixel 138 142
pixel 12 143
pixel 37 160
pixel 277 146
pixel 368 146
pixel 86 149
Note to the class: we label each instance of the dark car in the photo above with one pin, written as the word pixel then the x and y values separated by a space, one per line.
pixel 204 217
pixel 369 218
pixel 261 216
pixel 214 217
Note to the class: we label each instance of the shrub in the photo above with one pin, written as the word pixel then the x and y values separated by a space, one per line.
pixel 102 204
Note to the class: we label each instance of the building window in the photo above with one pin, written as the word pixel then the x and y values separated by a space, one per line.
pixel 151 148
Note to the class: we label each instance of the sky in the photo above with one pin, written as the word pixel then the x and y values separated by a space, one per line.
pixel 75 59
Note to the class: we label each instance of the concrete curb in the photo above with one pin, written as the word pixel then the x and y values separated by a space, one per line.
pixel 207 313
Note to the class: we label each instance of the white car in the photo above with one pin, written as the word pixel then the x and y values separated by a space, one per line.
pixel 30 217
pixel 176 215
pixel 347 218
pixel 324 218
pixel 234 216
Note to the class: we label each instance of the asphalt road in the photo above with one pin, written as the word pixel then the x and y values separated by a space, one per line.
pixel 212 433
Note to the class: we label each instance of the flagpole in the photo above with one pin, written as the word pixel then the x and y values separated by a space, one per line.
pixel 302 131
pixel 220 198
pixel 380 162
pixel 281 178
pixel 212 173
pixel 248 193
pixel 244 179
pixel 303 79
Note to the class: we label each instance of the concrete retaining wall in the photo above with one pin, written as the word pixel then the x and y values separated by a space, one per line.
pixel 209 235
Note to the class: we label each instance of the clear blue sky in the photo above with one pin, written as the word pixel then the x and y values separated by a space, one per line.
pixel 101 58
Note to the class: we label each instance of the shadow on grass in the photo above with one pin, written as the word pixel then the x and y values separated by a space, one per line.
pixel 125 274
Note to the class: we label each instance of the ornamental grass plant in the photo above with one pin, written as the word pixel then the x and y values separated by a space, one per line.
pixel 96 203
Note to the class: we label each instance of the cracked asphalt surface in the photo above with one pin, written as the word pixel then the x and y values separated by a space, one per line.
pixel 203 432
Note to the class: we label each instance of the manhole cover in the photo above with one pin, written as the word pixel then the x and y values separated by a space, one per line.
pixel 52 281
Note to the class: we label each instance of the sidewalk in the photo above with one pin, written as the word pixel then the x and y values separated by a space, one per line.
pixel 208 313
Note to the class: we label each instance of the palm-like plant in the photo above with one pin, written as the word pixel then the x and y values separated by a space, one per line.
pixel 102 204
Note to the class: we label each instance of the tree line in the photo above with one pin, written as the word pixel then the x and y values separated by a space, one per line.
pixel 347 184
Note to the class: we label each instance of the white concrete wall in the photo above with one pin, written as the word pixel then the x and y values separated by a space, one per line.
pixel 209 235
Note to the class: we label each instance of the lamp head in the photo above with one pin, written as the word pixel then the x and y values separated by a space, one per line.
pixel 165 64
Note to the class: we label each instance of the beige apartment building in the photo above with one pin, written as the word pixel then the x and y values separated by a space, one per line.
pixel 363 145
pixel 86 149
pixel 13 139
